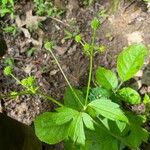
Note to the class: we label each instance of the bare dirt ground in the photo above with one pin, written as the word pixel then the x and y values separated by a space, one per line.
pixel 130 24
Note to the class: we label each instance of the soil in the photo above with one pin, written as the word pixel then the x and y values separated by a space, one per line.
pixel 129 24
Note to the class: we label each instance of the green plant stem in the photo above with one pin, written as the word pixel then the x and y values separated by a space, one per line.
pixel 50 98
pixel 30 93
pixel 38 93
pixel 118 87
pixel 16 79
pixel 91 67
pixel 17 94
pixel 65 77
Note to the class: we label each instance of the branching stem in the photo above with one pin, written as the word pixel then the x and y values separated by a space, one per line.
pixel 70 86
pixel 50 98
pixel 91 67
pixel 30 92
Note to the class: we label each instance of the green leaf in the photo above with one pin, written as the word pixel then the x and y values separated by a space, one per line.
pixel 108 109
pixel 146 99
pixel 48 131
pixel 129 95
pixel 98 92
pixel 100 140
pixel 76 130
pixel 71 101
pixel 9 29
pixel 106 78
pixel 64 114
pixel 4 11
pixel 118 126
pixel 137 135
pixel 4 2
pixel 63 124
pixel 121 125
pixel 130 60
pixel 88 121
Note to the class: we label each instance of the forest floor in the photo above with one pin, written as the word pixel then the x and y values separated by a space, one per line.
pixel 129 24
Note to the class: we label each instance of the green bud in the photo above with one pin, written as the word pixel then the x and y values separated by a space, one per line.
pixel 78 38
pixel 95 24
pixel 24 82
pixel 8 71
pixel 48 45
pixel 31 80
pixel 86 48
pixel 102 48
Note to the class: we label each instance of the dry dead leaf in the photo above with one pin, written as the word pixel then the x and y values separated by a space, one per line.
pixel 30 21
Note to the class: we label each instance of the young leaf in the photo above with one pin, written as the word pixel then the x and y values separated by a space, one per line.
pixel 98 92
pixel 108 109
pixel 106 78
pixel 130 60
pixel 129 95
pixel 71 101
pixel 48 131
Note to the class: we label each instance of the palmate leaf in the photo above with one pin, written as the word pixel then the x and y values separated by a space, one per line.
pixel 130 60
pixel 76 131
pixel 107 109
pixel 129 95
pixel 66 123
pixel 95 140
pixel 106 78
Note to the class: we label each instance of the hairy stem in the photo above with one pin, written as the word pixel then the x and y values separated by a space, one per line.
pixel 76 96
pixel 38 93
pixel 15 95
pixel 91 67
pixel 118 87
pixel 50 98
